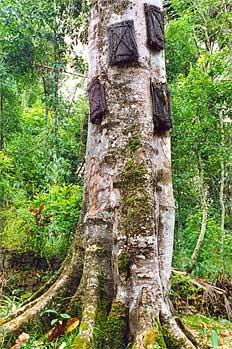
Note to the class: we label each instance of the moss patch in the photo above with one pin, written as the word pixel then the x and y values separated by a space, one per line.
pixel 170 340
pixel 134 172
pixel 136 199
pixel 123 262
pixel 134 144
pixel 117 324
pixel 154 339
pixel 111 332
pixel 120 8
pixel 81 343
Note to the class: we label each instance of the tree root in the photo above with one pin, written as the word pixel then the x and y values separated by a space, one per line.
pixel 166 332
pixel 89 313
pixel 32 314
pixel 174 332
pixel 209 294
pixel 43 288
pixel 85 337
pixel 32 300
pixel 104 318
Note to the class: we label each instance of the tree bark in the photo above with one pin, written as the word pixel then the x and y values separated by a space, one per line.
pixel 200 240
pixel 203 199
pixel 127 222
pixel 222 188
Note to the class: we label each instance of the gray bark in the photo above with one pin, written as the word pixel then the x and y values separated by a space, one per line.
pixel 128 197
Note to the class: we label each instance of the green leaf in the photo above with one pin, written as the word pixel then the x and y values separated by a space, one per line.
pixel 54 321
pixel 26 295
pixel 65 316
pixel 214 338
pixel 50 311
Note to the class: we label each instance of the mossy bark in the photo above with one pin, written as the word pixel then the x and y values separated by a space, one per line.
pixel 128 208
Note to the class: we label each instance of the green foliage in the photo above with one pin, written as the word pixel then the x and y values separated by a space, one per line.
pixel 30 175
pixel 48 234
pixel 210 331
pixel 51 236
pixel 181 50
pixel 211 261
pixel 31 148
pixel 199 71
pixel 7 304
pixel 6 172
pixel 185 294
pixel 42 128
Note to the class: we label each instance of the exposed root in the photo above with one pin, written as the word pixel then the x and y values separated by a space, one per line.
pixel 84 340
pixel 95 291
pixel 32 300
pixel 43 288
pixel 203 296
pixel 174 332
pixel 32 315
pixel 164 332
pixel 90 300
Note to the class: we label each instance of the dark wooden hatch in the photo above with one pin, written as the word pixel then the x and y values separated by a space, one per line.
pixel 155 27
pixel 161 107
pixel 97 101
pixel 122 44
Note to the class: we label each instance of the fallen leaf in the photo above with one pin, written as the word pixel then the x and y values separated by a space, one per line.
pixel 56 331
pixel 71 324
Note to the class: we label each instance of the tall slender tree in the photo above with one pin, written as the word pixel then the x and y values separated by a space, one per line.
pixel 118 272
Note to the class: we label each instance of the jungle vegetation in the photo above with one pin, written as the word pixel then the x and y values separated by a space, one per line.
pixel 43 130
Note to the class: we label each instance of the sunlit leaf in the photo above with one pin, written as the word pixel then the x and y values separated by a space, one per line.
pixel 214 337
pixel 65 316
pixel 71 325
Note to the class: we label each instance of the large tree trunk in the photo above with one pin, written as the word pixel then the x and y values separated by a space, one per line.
pixel 128 209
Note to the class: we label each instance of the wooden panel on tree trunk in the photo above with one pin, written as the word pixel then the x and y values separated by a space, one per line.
pixel 155 27
pixel 161 107
pixel 97 101
pixel 122 44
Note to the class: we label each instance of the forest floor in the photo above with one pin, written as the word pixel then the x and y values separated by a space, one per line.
pixel 196 303
pixel 212 333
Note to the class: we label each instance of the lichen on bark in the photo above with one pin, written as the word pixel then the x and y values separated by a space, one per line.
pixel 119 7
